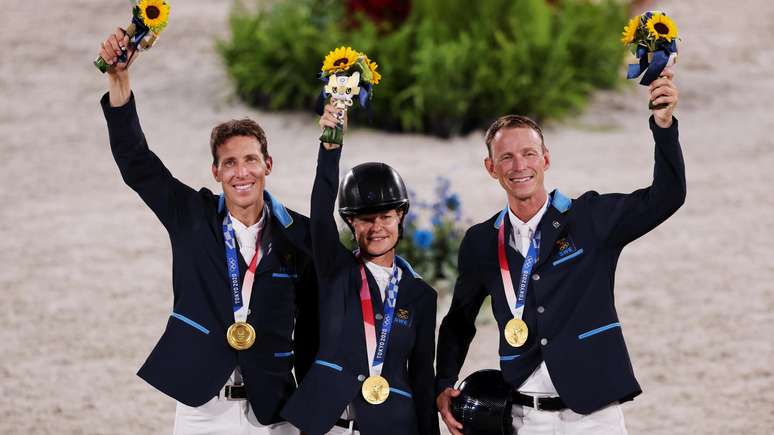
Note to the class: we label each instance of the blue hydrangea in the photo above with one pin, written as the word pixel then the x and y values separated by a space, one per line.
pixel 423 239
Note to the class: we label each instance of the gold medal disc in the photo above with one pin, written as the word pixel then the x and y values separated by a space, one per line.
pixel 240 335
pixel 516 332
pixel 375 390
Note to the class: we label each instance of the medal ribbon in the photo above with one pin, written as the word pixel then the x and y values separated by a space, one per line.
pixel 240 296
pixel 516 301
pixel 377 351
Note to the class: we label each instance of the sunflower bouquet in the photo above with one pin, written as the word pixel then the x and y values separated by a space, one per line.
pixel 149 18
pixel 348 73
pixel 652 38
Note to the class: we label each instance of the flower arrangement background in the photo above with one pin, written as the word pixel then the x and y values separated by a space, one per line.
pixel 448 67
pixel 432 232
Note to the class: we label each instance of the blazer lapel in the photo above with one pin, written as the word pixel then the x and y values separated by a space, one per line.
pixel 552 224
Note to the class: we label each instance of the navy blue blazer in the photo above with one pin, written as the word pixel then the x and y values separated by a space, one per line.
pixel 192 360
pixel 342 363
pixel 570 311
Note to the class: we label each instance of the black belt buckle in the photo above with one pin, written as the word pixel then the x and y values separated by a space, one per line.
pixel 235 392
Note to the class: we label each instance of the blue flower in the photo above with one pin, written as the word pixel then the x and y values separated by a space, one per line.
pixel 453 202
pixel 423 238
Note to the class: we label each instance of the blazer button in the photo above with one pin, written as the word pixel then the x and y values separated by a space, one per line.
pixel 361 378
pixel 543 341
pixel 535 277
pixel 379 316
pixel 541 310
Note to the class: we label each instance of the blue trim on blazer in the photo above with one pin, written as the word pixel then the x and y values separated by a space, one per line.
pixel 401 392
pixel 283 354
pixel 277 209
pixel 571 256
pixel 598 330
pixel 402 263
pixel 500 218
pixel 509 357
pixel 190 322
pixel 329 365
pixel 560 202
pixel 284 275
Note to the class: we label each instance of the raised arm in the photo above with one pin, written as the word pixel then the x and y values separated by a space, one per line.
pixel 326 245
pixel 140 168
pixel 621 218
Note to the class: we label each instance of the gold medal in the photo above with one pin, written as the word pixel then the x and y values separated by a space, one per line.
pixel 375 390
pixel 516 332
pixel 240 335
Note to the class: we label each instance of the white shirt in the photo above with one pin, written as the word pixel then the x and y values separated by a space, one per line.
pixel 382 276
pixel 539 382
pixel 248 236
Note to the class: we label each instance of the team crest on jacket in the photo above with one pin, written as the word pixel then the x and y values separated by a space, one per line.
pixel 565 246
pixel 403 317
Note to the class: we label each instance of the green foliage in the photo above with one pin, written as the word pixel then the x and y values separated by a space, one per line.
pixel 453 66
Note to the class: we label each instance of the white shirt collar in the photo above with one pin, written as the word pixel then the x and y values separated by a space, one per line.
pixel 527 228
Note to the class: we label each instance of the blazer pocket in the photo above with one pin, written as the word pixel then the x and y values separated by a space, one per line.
pixel 285 275
pixel 569 257
pixel 599 330
pixel 190 322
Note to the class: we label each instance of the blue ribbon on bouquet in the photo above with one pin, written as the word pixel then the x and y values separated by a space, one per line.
pixel 651 69
pixel 140 33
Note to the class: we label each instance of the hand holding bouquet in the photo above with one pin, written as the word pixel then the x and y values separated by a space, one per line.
pixel 149 18
pixel 347 73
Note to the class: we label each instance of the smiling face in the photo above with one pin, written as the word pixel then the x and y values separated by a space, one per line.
pixel 241 169
pixel 518 160
pixel 377 233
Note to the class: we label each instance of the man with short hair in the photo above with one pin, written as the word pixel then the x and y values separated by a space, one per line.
pixel 548 262
pixel 243 279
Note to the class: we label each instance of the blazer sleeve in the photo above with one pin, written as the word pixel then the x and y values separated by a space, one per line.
pixel 459 326
pixel 420 370
pixel 326 246
pixel 622 218
pixel 140 168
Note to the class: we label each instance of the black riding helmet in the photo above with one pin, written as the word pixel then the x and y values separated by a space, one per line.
pixel 484 404
pixel 372 188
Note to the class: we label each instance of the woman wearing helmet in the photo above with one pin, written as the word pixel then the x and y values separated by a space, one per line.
pixel 373 373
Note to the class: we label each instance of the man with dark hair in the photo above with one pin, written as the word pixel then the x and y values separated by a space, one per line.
pixel 244 308
pixel 548 262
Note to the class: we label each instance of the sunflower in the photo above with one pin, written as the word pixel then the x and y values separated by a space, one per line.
pixel 340 59
pixel 154 13
pixel 376 77
pixel 630 31
pixel 661 27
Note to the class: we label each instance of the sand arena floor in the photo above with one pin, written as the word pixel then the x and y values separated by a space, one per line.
pixel 85 279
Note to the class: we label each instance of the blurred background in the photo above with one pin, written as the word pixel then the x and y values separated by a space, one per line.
pixel 86 267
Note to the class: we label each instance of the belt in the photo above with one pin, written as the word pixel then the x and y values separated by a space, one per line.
pixel 233 392
pixel 539 403
pixel 345 423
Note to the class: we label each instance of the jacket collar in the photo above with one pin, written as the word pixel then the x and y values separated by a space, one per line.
pixel 557 200
pixel 278 210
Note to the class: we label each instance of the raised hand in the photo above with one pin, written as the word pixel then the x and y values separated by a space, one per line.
pixel 110 50
pixel 664 91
